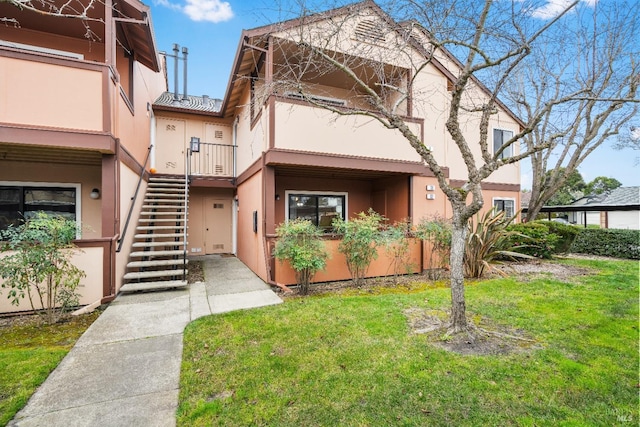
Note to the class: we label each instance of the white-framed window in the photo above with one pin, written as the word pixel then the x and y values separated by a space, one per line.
pixel 507 205
pixel 22 200
pixel 500 136
pixel 319 207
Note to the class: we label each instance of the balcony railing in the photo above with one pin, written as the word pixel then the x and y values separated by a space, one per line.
pixel 213 160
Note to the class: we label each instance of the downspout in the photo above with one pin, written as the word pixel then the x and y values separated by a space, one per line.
pixel 152 136
pixel 234 215
pixel 265 248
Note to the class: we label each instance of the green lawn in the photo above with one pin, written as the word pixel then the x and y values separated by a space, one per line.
pixel 28 354
pixel 350 360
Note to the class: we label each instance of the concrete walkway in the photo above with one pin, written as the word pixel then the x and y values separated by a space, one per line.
pixel 125 369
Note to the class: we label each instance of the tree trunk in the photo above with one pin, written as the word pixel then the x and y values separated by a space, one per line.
pixel 458 307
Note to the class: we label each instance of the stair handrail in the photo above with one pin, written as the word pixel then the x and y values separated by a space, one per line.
pixel 133 201
pixel 187 170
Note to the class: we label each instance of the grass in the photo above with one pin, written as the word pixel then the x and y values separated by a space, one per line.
pixel 350 360
pixel 29 353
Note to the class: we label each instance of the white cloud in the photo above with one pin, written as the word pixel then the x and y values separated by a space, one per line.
pixel 554 7
pixel 167 4
pixel 201 10
pixel 208 10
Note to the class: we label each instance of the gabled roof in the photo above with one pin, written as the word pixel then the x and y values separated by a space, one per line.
pixel 621 196
pixel 247 56
pixel 134 28
pixel 190 104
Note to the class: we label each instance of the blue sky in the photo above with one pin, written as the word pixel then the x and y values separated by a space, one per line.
pixel 211 30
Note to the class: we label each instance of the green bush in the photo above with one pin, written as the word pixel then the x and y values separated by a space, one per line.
pixel 533 238
pixel 40 266
pixel 608 242
pixel 566 235
pixel 395 241
pixel 300 243
pixel 436 232
pixel 360 239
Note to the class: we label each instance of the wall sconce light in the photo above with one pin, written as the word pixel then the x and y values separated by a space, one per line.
pixel 277 197
pixel 195 144
pixel 95 194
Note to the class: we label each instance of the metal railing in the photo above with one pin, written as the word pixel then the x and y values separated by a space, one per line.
pixel 213 160
pixel 133 202
pixel 187 172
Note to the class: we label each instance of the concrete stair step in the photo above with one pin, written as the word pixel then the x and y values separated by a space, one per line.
pixel 132 275
pixel 162 213
pixel 166 178
pixel 160 227
pixel 153 254
pixel 168 195
pixel 157 185
pixel 158 236
pixel 174 207
pixel 169 201
pixel 155 180
pixel 161 220
pixel 157 263
pixel 156 244
pixel 153 286
pixel 171 190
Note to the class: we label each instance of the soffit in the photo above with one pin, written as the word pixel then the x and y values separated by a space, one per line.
pixel 31 154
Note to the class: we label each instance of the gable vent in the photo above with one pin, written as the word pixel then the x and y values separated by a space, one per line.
pixel 370 31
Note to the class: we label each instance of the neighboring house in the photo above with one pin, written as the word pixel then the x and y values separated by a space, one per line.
pixel 264 156
pixel 75 126
pixel 618 208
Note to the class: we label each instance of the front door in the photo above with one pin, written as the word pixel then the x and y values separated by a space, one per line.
pixel 217 219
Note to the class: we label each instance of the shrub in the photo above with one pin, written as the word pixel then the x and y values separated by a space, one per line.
pixel 360 238
pixel 566 235
pixel 41 268
pixel 436 231
pixel 300 242
pixel 395 240
pixel 608 242
pixel 533 238
pixel 488 240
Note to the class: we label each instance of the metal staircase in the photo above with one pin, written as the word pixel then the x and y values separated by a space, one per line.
pixel 158 259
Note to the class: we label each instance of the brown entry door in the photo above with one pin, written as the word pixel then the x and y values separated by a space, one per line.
pixel 217 218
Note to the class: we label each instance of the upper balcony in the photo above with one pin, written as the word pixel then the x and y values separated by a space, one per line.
pixel 300 126
pixel 43 90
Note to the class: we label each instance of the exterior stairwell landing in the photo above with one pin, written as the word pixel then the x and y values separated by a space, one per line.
pixel 158 255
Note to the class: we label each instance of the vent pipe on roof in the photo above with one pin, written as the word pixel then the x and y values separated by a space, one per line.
pixel 176 50
pixel 185 52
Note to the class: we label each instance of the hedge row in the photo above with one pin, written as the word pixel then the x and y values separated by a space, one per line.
pixel 608 242
pixel 542 239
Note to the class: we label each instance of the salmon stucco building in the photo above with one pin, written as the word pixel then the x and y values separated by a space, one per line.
pixel 226 171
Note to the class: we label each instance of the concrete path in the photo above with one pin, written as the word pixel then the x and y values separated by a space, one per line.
pixel 125 369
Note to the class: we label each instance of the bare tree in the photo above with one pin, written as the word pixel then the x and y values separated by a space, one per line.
pixel 85 11
pixel 595 53
pixel 383 69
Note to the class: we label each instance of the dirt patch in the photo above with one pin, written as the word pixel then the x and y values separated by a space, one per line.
pixel 524 271
pixel 531 270
pixel 372 285
pixel 482 340
pixel 196 272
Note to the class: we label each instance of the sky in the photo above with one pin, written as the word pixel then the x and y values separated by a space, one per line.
pixel 211 30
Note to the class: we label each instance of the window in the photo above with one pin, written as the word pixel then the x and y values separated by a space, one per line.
pixel 506 205
pixel 320 209
pixel 23 202
pixel 499 138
